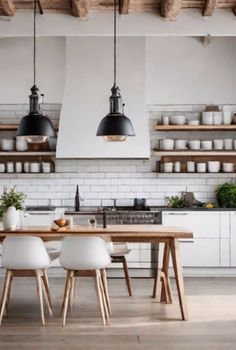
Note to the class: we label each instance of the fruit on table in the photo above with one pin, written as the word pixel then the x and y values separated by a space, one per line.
pixel 210 205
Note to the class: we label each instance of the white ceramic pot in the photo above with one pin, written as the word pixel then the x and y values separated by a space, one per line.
pixel 180 145
pixel 168 167
pixel 227 117
pixel 213 166
pixel 228 167
pixel 167 144
pixel 207 145
pixel 21 144
pixel 194 144
pixel 228 144
pixel 207 118
pixel 218 144
pixel 177 119
pixel 217 118
pixel 190 167
pixel 201 167
pixel 10 219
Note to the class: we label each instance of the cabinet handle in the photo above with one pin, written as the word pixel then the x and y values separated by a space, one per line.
pixel 177 213
pixel 187 241
pixel 38 214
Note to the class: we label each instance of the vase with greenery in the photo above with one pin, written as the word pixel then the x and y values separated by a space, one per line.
pixel 11 207
pixel 177 202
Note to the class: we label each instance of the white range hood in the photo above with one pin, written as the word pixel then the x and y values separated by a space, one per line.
pixel 89 78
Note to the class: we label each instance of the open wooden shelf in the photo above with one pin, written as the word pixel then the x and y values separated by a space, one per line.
pixel 194 153
pixel 27 154
pixel 14 127
pixel 195 127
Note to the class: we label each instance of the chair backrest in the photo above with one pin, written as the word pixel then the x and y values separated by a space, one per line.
pixel 24 253
pixel 84 253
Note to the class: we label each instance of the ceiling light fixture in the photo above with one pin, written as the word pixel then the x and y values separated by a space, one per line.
pixel 115 126
pixel 35 126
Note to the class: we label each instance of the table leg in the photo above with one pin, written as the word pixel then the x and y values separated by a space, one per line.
pixel 166 294
pixel 174 246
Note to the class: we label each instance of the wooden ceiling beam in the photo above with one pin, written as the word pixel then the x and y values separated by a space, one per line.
pixel 80 8
pixel 209 8
pixel 170 8
pixel 123 7
pixel 7 7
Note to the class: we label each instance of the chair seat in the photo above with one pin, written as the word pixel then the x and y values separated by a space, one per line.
pixel 120 252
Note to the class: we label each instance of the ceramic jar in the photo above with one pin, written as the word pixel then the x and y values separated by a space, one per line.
pixel 11 219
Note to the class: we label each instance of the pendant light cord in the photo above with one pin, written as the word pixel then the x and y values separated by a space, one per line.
pixel 34 63
pixel 115 43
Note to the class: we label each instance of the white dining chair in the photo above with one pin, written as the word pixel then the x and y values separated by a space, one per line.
pixel 25 256
pixel 85 257
pixel 118 252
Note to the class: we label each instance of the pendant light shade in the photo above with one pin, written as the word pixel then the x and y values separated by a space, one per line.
pixel 115 126
pixel 35 126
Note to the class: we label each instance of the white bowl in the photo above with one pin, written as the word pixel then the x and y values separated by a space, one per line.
pixel 177 119
pixel 167 144
pixel 194 144
pixel 193 122
pixel 213 166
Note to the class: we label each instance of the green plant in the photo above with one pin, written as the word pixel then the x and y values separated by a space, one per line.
pixel 176 202
pixel 11 198
pixel 226 195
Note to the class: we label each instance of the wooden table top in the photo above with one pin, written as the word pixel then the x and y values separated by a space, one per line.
pixel 135 231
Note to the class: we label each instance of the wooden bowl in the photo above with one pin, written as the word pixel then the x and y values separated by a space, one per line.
pixel 61 222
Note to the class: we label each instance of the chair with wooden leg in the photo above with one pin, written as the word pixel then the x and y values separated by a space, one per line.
pixel 25 256
pixel 85 257
pixel 118 252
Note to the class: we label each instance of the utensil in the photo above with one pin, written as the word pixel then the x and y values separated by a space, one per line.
pixel 213 166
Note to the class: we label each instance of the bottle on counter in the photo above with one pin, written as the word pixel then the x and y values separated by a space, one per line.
pixel 77 199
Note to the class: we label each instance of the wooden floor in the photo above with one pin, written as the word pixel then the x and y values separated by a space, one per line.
pixel 137 323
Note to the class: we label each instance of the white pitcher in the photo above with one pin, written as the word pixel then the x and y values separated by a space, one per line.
pixel 10 219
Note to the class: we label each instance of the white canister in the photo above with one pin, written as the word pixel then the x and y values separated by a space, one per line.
pixel 190 167
pixel 213 166
pixel 18 167
pixel 218 144
pixel 228 167
pixel 10 167
pixel 228 144
pixel 2 168
pixel 201 167
pixel 207 118
pixel 21 144
pixel 206 145
pixel 194 144
pixel 167 144
pixel 26 167
pixel 227 118
pixel 168 167
pixel 177 167
pixel 180 144
pixel 34 167
pixel 46 167
pixel 217 118
pixel 165 120
pixel 8 144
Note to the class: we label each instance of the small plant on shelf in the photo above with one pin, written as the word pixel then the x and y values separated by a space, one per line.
pixel 177 202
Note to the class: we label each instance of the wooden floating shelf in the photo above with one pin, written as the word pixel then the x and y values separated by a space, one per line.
pixel 27 154
pixel 195 127
pixel 194 153
pixel 14 127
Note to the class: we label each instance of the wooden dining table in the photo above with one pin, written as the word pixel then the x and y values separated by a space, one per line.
pixel 169 236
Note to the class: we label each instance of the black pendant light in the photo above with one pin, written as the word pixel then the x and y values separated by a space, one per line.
pixel 115 126
pixel 35 126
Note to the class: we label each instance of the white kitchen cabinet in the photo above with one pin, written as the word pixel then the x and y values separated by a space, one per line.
pixel 233 238
pixel 205 248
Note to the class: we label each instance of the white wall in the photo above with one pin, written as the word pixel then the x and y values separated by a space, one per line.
pixel 183 71
pixel 16 70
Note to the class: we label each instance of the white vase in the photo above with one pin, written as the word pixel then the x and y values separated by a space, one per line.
pixel 10 219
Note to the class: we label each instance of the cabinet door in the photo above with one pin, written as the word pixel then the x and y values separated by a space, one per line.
pixel 203 224
pixel 38 219
pixel 233 238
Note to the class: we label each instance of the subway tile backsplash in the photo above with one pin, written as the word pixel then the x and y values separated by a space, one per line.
pixel 103 180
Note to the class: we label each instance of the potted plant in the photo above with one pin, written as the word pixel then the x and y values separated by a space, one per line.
pixel 11 208
pixel 226 195
pixel 176 202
